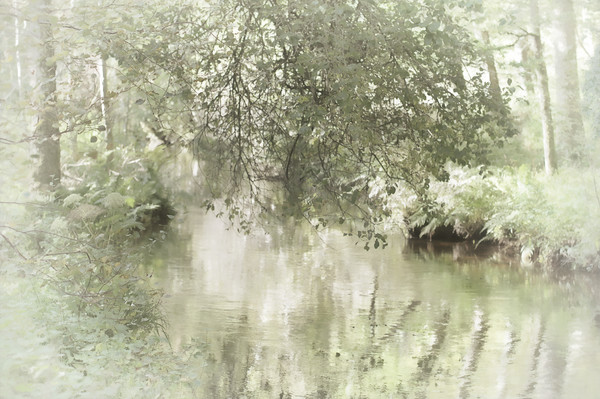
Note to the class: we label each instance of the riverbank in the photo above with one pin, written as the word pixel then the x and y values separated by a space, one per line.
pixel 550 220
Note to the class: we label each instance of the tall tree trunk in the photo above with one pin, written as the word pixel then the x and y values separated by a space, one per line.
pixel 528 68
pixel 17 50
pixel 543 91
pixel 75 153
pixel 47 135
pixel 492 71
pixel 591 93
pixel 570 126
pixel 105 109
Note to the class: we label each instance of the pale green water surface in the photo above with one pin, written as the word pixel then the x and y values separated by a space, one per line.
pixel 295 315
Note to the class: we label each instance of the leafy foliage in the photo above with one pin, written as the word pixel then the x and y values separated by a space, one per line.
pixel 552 220
pixel 321 99
pixel 85 250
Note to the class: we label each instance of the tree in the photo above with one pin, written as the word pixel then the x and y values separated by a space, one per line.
pixel 591 91
pixel 326 100
pixel 550 163
pixel 495 90
pixel 47 135
pixel 105 107
pixel 17 42
pixel 591 78
pixel 567 74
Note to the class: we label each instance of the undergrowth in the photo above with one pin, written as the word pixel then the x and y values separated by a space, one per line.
pixel 87 241
pixel 551 220
pixel 50 351
pixel 80 317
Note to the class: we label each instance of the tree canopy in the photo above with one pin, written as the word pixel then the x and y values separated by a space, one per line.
pixel 323 98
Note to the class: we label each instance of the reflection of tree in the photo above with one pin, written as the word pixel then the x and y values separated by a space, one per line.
pixel 535 361
pixel 551 358
pixel 555 364
pixel 393 328
pixel 373 308
pixel 228 360
pixel 480 328
pixel 428 361
pixel 510 346
pixel 317 332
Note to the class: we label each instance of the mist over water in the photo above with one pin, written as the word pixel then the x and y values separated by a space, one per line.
pixel 296 315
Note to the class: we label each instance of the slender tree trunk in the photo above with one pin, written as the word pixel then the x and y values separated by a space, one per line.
pixel 591 86
pixel 47 135
pixel 17 50
pixel 75 153
pixel 492 71
pixel 570 126
pixel 528 68
pixel 105 109
pixel 541 73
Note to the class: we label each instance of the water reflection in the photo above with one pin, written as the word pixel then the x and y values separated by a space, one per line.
pixel 294 315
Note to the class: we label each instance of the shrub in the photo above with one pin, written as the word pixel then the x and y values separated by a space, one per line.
pixel 553 219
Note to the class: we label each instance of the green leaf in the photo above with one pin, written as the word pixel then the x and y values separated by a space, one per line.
pixel 130 201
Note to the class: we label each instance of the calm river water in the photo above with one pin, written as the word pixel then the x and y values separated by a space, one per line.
pixel 296 315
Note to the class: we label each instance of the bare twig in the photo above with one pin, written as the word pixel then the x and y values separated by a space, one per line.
pixel 69 253
pixel 13 247
pixel 28 232
pixel 22 203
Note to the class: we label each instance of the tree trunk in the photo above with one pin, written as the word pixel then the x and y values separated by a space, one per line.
pixel 570 121
pixel 105 109
pixel 17 50
pixel 591 93
pixel 543 91
pixel 492 72
pixel 47 135
pixel 528 67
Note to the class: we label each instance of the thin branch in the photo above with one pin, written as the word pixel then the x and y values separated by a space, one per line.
pixel 22 203
pixel 27 232
pixel 13 247
pixel 69 253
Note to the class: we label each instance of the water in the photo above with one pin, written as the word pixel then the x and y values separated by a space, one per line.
pixel 296 315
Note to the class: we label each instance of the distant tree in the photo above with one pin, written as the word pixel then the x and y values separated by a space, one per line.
pixel 105 107
pixel 47 135
pixel 550 162
pixel 591 92
pixel 495 89
pixel 571 130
